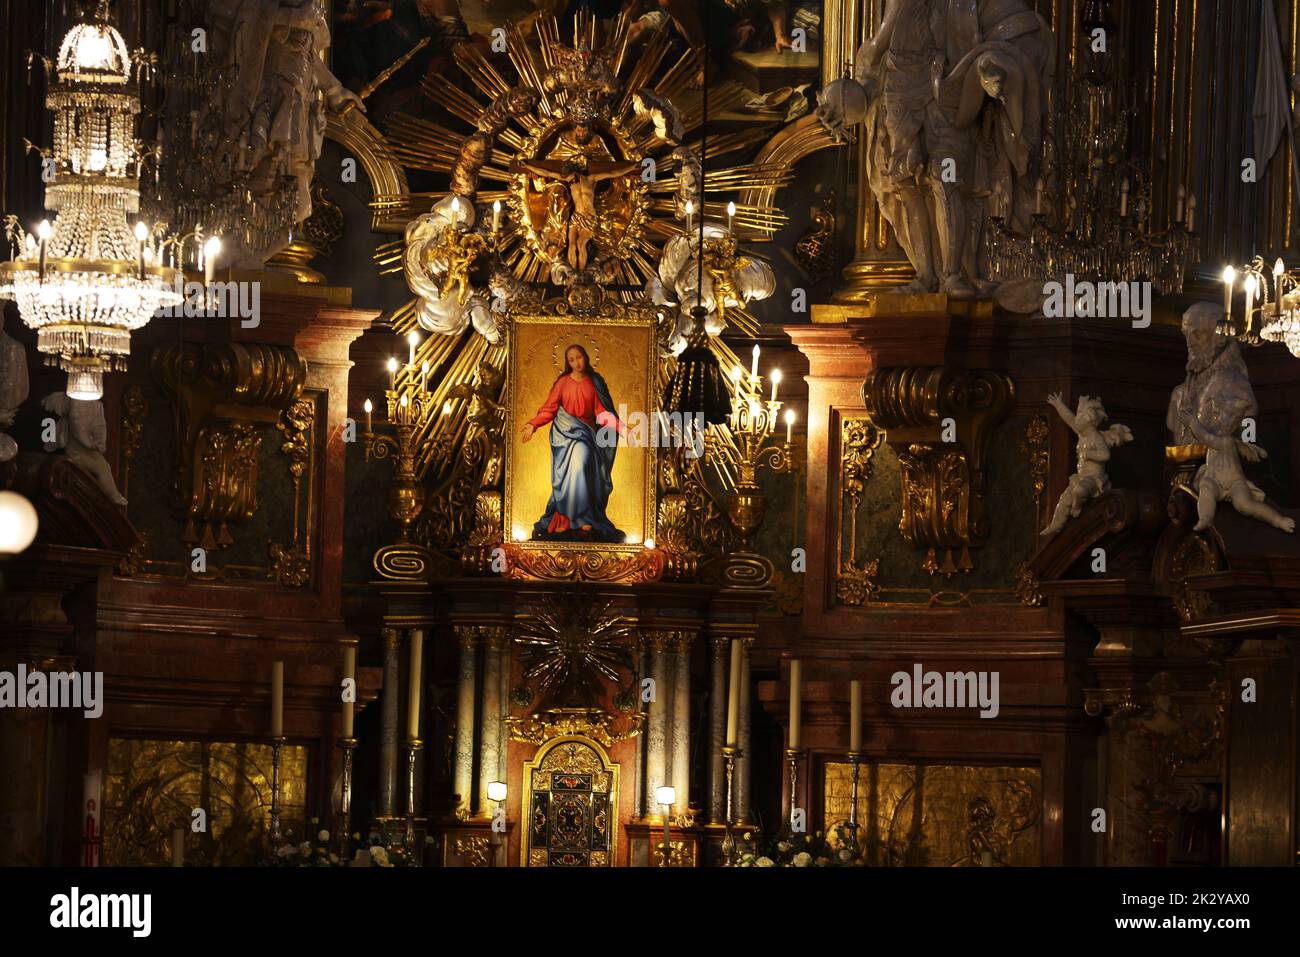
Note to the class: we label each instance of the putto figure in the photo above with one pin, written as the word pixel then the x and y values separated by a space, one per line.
pixel 1208 409
pixel 1090 480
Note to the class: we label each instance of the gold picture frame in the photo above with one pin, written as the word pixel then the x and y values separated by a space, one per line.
pixel 621 340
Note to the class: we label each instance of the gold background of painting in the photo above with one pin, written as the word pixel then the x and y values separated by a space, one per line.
pixel 621 352
pixel 919 815
pixel 152 787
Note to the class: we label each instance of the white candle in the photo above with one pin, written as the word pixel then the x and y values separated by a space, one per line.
pixel 1229 279
pixel 424 376
pixel 141 236
pixel 211 250
pixel 392 373
pixel 731 215
pixel 43 232
pixel 733 695
pixel 370 408
pixel 855 715
pixel 1182 200
pixel 736 376
pixel 1038 200
pixel 412 340
pixel 753 365
pixel 1251 284
pixel 1123 198
pixel 349 675
pixel 178 847
pixel 789 426
pixel 796 694
pixel 776 381
pixel 1279 268
pixel 496 215
pixel 277 699
pixel 1191 214
pixel 413 689
pixel 690 216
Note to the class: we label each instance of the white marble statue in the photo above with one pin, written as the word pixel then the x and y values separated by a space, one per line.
pixel 1090 479
pixel 82 433
pixel 438 273
pixel 729 280
pixel 13 389
pixel 952 96
pixel 1208 409
pixel 275 113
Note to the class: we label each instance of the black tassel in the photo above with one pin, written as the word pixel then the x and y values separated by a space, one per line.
pixel 698 387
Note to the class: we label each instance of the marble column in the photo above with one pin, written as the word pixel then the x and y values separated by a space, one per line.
pixel 719 651
pixel 643 747
pixel 388 733
pixel 658 733
pixel 746 763
pixel 503 732
pixel 681 778
pixel 490 742
pixel 463 773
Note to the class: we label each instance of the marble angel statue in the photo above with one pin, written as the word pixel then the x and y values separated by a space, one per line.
pixel 82 433
pixel 1090 480
pixel 729 280
pixel 443 251
pixel 1208 408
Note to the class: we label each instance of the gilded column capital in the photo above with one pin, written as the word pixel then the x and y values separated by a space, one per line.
pixel 466 636
pixel 665 640
pixel 495 637
pixel 391 638
pixel 719 646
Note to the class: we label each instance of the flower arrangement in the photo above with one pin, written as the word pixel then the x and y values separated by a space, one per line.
pixel 835 849
pixel 313 852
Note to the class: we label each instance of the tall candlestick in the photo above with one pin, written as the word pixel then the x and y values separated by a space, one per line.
pixel 413 689
pixel 1229 280
pixel 753 365
pixel 277 699
pixel 855 715
pixel 733 695
pixel 796 695
pixel 350 676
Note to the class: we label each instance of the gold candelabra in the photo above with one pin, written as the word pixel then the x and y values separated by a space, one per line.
pixel 752 423
pixel 1272 293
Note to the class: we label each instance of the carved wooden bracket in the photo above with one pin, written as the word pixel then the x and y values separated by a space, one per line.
pixel 939 421
pixel 225 395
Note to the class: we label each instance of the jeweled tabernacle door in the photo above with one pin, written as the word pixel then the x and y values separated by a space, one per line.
pixel 573 806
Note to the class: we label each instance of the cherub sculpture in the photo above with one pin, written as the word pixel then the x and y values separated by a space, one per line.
pixel 1091 480
pixel 437 264
pixel 459 250
pixel 82 433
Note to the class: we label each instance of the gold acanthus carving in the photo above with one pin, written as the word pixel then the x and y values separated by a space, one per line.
pixel 590 723
pixel 815 250
pixel 1027 586
pixel 939 421
pixel 224 395
pixel 859 440
pixel 1037 446
pixel 474 850
pixel 134 410
pixel 1194 555
pixel 592 565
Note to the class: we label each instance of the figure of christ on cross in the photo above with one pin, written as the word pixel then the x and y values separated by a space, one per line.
pixel 580 176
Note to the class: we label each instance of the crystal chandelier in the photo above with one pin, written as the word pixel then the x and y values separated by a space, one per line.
pixel 1104 228
pixel 90 278
pixel 1273 295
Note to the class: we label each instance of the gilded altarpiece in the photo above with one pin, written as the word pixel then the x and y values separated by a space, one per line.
pixel 572 816
pixel 153 786
pixel 939 815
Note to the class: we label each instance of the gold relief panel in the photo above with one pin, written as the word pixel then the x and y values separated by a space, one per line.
pixel 152 786
pixel 941 815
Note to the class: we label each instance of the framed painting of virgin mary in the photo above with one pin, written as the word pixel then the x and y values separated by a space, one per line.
pixel 580 476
